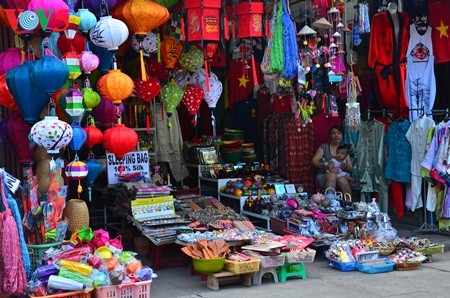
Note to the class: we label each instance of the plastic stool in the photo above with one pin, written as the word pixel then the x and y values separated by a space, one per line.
pixel 258 275
pixel 291 269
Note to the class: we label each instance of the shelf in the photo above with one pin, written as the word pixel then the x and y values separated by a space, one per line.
pixel 265 220
pixel 255 215
pixel 143 129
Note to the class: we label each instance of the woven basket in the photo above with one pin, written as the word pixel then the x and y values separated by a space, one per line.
pixel 78 214
pixel 407 266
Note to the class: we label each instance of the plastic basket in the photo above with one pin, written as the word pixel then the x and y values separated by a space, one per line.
pixel 347 266
pixel 373 268
pixel 77 294
pixel 306 255
pixel 243 267
pixel 436 249
pixel 37 252
pixel 136 290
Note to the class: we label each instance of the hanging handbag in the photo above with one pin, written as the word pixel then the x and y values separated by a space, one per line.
pixel 353 114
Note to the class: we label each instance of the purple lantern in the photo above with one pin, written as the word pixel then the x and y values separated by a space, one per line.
pixel 17 132
pixel 105 112
pixel 94 5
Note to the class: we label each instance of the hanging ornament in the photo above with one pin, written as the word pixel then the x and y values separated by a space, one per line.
pixel 115 86
pixel 77 170
pixel 91 99
pixel 94 136
pixel 192 60
pixel 192 99
pixel 146 91
pixel 171 50
pixel 51 134
pixel 87 20
pixel 94 169
pixel 171 95
pixel 6 98
pixel 212 95
pixel 250 19
pixel 78 138
pixel 73 105
pixel 88 62
pixel 109 33
pixel 72 60
pixel 74 21
pixel 50 73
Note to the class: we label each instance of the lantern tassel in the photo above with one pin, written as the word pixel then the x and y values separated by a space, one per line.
pixel 147 118
pixel 255 75
pixel 213 122
pixel 158 44
pixel 79 188
pixel 90 193
pixel 141 55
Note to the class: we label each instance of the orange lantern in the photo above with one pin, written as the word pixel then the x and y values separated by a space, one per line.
pixel 141 16
pixel 250 19
pixel 171 50
pixel 115 86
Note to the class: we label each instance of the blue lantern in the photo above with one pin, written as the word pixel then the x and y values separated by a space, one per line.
pixel 87 20
pixel 78 138
pixel 104 55
pixel 29 97
pixel 50 73
pixel 95 169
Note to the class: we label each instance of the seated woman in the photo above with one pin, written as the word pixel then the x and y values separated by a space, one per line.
pixel 324 154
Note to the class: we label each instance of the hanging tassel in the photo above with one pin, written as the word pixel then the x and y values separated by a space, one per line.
pixel 158 45
pixel 255 75
pixel 147 118
pixel 79 188
pixel 206 74
pixel 226 32
pixel 213 122
pixel 90 193
pixel 141 55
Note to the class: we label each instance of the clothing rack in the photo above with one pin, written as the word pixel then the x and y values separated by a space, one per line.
pixel 384 111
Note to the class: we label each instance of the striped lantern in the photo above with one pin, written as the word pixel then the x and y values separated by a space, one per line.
pixel 77 170
pixel 74 21
pixel 74 103
pixel 72 60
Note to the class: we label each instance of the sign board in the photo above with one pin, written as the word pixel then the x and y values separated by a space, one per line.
pixel 133 162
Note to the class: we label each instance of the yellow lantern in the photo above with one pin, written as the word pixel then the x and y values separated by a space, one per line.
pixel 115 86
pixel 141 16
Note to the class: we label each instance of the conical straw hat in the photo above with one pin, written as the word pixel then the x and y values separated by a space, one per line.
pixel 306 30
pixel 322 23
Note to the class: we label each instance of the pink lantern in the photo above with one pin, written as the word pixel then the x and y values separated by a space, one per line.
pixel 59 19
pixel 89 62
pixel 105 112
pixel 51 134
pixel 17 132
pixel 10 58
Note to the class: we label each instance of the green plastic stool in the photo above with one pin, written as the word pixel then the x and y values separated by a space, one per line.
pixel 291 269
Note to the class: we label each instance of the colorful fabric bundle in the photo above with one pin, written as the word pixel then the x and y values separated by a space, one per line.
pixel 289 44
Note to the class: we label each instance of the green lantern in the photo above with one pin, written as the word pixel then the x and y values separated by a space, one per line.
pixel 90 98
pixel 167 3
pixel 192 59
pixel 171 95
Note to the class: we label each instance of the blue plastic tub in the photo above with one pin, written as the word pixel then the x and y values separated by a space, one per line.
pixel 347 266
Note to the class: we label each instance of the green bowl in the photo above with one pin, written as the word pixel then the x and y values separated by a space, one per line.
pixel 208 266
pixel 231 157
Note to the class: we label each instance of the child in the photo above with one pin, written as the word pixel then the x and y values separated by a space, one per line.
pixel 336 164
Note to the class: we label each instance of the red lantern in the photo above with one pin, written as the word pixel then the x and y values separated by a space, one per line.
pixel 147 90
pixel 94 135
pixel 77 44
pixel 250 19
pixel 192 99
pixel 120 140
pixel 203 19
pixel 157 69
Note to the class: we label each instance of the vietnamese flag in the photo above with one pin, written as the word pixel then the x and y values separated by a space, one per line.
pixel 439 20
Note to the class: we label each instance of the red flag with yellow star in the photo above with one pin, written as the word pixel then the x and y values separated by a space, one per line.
pixel 439 20
pixel 241 83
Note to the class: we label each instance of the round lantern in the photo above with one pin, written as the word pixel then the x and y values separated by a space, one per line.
pixel 50 73
pixel 72 60
pixel 171 95
pixel 167 3
pixel 120 140
pixel 106 112
pixel 51 134
pixel 74 21
pixel 94 5
pixel 6 98
pixel 88 62
pixel 87 20
pixel 109 33
pixel 215 90
pixel 147 90
pixel 192 99
pixel 12 57
pixel 76 170
pixel 105 57
pixel 192 59
pixel 78 138
pixel 24 88
pixel 149 43
pixel 60 16
pixel 72 103
pixel 94 169
pixel 90 98
pixel 171 50
pixel 94 136
pixel 115 86
pixel 16 134
pixel 76 44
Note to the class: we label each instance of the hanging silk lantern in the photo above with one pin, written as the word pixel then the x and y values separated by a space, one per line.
pixel 250 19
pixel 74 21
pixel 94 136
pixel 87 20
pixel 72 60
pixel 89 62
pixel 192 59
pixel 76 44
pixel 171 50
pixel 115 86
pixel 199 77
pixel 167 3
pixel 106 112
pixel 105 57
pixel 30 99
pixel 17 132
pixel 147 90
pixel 149 43
pixel 94 169
pixel 120 140
pixel 12 57
pixel 192 99
pixel 78 138
pixel 52 43
pixel 94 5
pixel 109 33
pixel 171 95
pixel 50 73
pixel 51 134
pixel 90 98
pixel 203 19
pixel 212 95
pixel 77 170
pixel 157 69
pixel 6 98
pixel 182 78
pixel 74 104
pixel 58 19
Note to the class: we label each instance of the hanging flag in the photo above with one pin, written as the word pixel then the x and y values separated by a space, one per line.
pixel 438 14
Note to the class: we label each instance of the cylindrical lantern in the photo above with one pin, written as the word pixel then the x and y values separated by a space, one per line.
pixel 94 135
pixel 250 19
pixel 58 19
pixel 76 44
pixel 115 86
pixel 6 98
pixel 77 213
pixel 171 50
pixel 78 138
pixel 88 62
pixel 120 140
pixel 72 60
pixel 51 134
pixel 203 19
pixel 90 98
pixel 87 20
pixel 12 57
pixel 74 21
pixel 109 33
pixel 50 73
pixel 23 88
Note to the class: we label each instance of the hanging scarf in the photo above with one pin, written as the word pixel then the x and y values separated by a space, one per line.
pixel 290 44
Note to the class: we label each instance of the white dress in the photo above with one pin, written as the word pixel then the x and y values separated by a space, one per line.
pixel 420 81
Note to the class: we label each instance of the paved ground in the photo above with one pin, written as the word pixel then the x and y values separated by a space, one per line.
pixel 430 280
